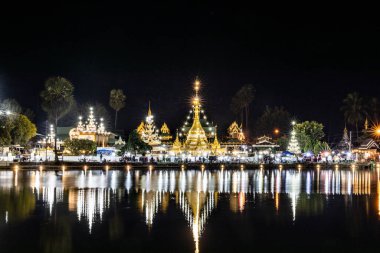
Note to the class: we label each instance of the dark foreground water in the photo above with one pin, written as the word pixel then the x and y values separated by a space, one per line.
pixel 190 211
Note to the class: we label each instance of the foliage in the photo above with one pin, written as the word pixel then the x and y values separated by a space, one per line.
pixel 117 101
pixel 372 109
pixel 135 144
pixel 16 129
pixel 241 101
pixel 57 97
pixel 320 147
pixel 354 110
pixel 80 146
pixel 5 135
pixel 11 105
pixel 272 118
pixel 57 100
pixel 309 135
pixel 283 142
pixel 23 130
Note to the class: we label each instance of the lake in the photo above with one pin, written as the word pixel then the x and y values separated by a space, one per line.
pixel 320 210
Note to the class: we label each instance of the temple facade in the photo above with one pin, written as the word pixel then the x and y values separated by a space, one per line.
pixel 91 130
pixel 148 131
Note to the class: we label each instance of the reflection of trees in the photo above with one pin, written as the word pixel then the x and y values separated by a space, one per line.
pixel 309 205
pixel 116 227
pixel 56 235
pixel 18 203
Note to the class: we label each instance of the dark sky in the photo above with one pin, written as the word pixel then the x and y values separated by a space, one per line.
pixel 305 58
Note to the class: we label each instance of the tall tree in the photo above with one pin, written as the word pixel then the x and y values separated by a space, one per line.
pixel 272 118
pixel 23 130
pixel 241 101
pixel 309 135
pixel 135 144
pixel 117 101
pixel 57 100
pixel 354 110
pixel 373 107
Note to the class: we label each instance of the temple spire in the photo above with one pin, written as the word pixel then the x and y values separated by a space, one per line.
pixel 196 139
pixel 149 111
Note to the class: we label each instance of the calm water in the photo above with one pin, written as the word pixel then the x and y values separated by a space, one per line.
pixel 190 211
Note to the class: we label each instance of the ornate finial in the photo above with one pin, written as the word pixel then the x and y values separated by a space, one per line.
pixel 149 111
pixel 197 85
pixel 366 124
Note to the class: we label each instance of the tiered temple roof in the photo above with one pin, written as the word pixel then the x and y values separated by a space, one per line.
pixel 197 142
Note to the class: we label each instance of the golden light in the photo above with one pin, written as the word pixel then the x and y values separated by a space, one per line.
pixel 197 85
pixel 375 131
pixel 276 131
pixel 242 167
pixel 195 100
pixel 128 167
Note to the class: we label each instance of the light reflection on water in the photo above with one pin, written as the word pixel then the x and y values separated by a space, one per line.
pixel 91 194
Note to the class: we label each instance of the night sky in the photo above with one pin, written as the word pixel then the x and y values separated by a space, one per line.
pixel 305 58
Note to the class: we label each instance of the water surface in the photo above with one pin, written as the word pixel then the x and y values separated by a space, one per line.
pixel 190 211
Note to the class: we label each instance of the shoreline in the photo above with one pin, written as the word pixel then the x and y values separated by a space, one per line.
pixel 51 166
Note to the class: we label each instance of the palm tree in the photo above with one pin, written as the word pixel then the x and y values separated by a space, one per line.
pixel 57 100
pixel 117 101
pixel 373 109
pixel 241 101
pixel 354 110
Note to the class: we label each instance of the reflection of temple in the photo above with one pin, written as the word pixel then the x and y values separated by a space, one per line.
pixel 91 130
pixel 197 141
pixel 197 208
pixel 91 194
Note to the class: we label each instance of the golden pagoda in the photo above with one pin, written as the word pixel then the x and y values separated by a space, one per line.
pixel 215 146
pixel 141 128
pixel 165 135
pixel 177 145
pixel 196 141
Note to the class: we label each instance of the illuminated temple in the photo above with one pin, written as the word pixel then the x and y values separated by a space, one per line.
pixel 90 130
pixel 197 141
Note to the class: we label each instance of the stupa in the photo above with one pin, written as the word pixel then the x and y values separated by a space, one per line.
pixel 197 143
